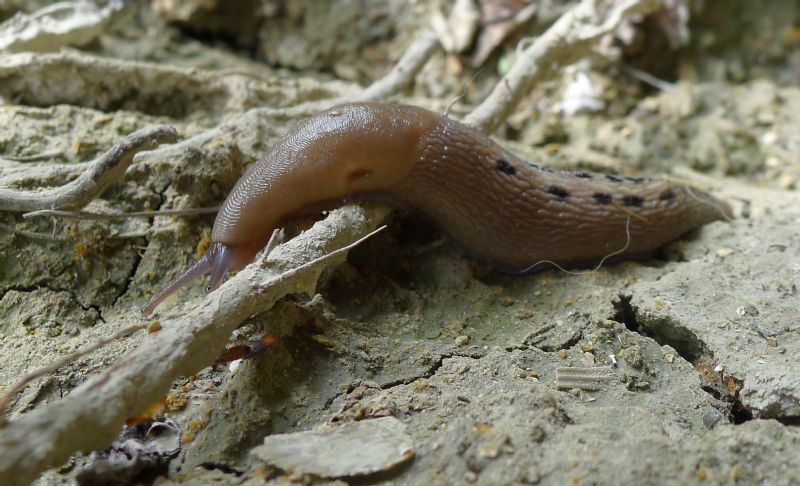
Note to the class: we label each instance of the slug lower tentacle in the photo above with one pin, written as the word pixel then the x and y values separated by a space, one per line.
pixel 498 207
pixel 217 259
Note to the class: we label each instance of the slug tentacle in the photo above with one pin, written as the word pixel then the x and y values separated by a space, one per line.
pixel 223 259
pixel 204 265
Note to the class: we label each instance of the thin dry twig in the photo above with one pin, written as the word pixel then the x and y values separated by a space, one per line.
pixel 113 216
pixel 102 172
pixel 568 39
pixel 403 73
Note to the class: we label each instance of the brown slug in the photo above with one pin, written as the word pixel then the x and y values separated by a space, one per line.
pixel 498 207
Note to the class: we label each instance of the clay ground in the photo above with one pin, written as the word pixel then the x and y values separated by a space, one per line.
pixel 701 345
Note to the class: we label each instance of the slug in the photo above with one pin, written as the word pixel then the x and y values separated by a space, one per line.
pixel 498 207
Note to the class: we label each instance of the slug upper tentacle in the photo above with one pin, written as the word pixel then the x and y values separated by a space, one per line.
pixel 498 207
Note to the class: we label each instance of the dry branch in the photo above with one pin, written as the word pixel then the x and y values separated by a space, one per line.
pixel 90 416
pixel 403 73
pixel 55 213
pixel 568 39
pixel 102 172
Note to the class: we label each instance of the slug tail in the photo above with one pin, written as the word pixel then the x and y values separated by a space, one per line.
pixel 203 266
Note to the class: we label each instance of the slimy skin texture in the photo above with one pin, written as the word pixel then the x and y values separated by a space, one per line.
pixel 498 207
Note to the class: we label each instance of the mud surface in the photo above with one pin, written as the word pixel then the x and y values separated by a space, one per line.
pixel 701 346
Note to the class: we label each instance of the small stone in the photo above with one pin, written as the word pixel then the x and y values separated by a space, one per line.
pixel 154 326
pixel 724 252
pixel 608 324
pixel 524 314
pixel 462 340
pixel 489 451
pixel 711 418
pixel 772 341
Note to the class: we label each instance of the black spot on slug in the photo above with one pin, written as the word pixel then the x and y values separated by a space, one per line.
pixel 558 191
pixel 583 175
pixel 635 201
pixel 602 198
pixel 613 178
pixel 505 167
pixel 667 195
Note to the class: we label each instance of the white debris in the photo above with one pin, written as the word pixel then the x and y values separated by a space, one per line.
pixel 580 96
pixel 339 451
pixel 55 26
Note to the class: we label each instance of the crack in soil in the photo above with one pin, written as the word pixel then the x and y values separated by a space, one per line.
pixel 33 288
pixel 140 254
pixel 221 467
pixel 432 369
pixel 665 330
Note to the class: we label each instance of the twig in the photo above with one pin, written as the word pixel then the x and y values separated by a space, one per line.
pixel 569 38
pixel 648 78
pixel 187 343
pixel 403 73
pixel 111 216
pixel 35 157
pixel 6 398
pixel 102 172
pixel 52 237
pixel 29 234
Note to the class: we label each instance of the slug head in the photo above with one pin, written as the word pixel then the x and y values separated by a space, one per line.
pixel 218 259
